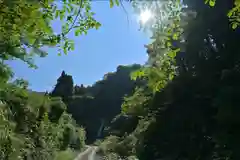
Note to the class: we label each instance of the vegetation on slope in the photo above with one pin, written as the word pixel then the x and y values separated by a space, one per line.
pixel 35 131
pixel 185 107
pixel 191 110
pixel 98 104
pixel 34 126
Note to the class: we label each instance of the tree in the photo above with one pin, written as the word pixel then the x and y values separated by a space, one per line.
pixel 29 129
pixel 97 104
pixel 25 30
pixel 36 31
pixel 64 87
pixel 80 90
pixel 191 112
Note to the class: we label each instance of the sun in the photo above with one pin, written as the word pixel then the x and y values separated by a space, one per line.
pixel 145 16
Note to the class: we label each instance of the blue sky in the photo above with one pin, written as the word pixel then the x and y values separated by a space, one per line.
pixel 117 42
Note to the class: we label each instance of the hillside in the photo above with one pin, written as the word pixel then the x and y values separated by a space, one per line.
pixel 182 104
pixel 96 105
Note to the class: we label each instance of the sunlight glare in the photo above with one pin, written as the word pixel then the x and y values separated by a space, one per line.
pixel 145 16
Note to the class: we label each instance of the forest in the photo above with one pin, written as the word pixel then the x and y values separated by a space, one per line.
pixel 180 105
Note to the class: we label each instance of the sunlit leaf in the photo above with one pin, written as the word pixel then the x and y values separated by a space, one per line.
pixel 77 32
pixel 111 3
pixel 97 25
pixel 175 36
pixel 234 25
pixel 212 3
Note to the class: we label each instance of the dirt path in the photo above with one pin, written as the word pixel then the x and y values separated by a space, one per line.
pixel 88 154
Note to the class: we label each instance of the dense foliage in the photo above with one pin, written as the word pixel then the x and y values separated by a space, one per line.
pixel 183 104
pixel 37 131
pixel 34 125
pixel 190 108
pixel 95 106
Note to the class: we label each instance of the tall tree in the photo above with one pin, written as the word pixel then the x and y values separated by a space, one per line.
pixel 64 87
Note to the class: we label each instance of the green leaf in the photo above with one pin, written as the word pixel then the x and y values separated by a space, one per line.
pixel 171 76
pixel 72 45
pixel 173 53
pixel 61 15
pixel 76 32
pixel 57 14
pixel 69 9
pixel 97 25
pixel 64 8
pixel 212 3
pixel 175 36
pixel 168 44
pixel 111 3
pixel 234 25
pixel 65 50
pixel 230 13
pixel 177 50
pixel 117 2
pixel 31 40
